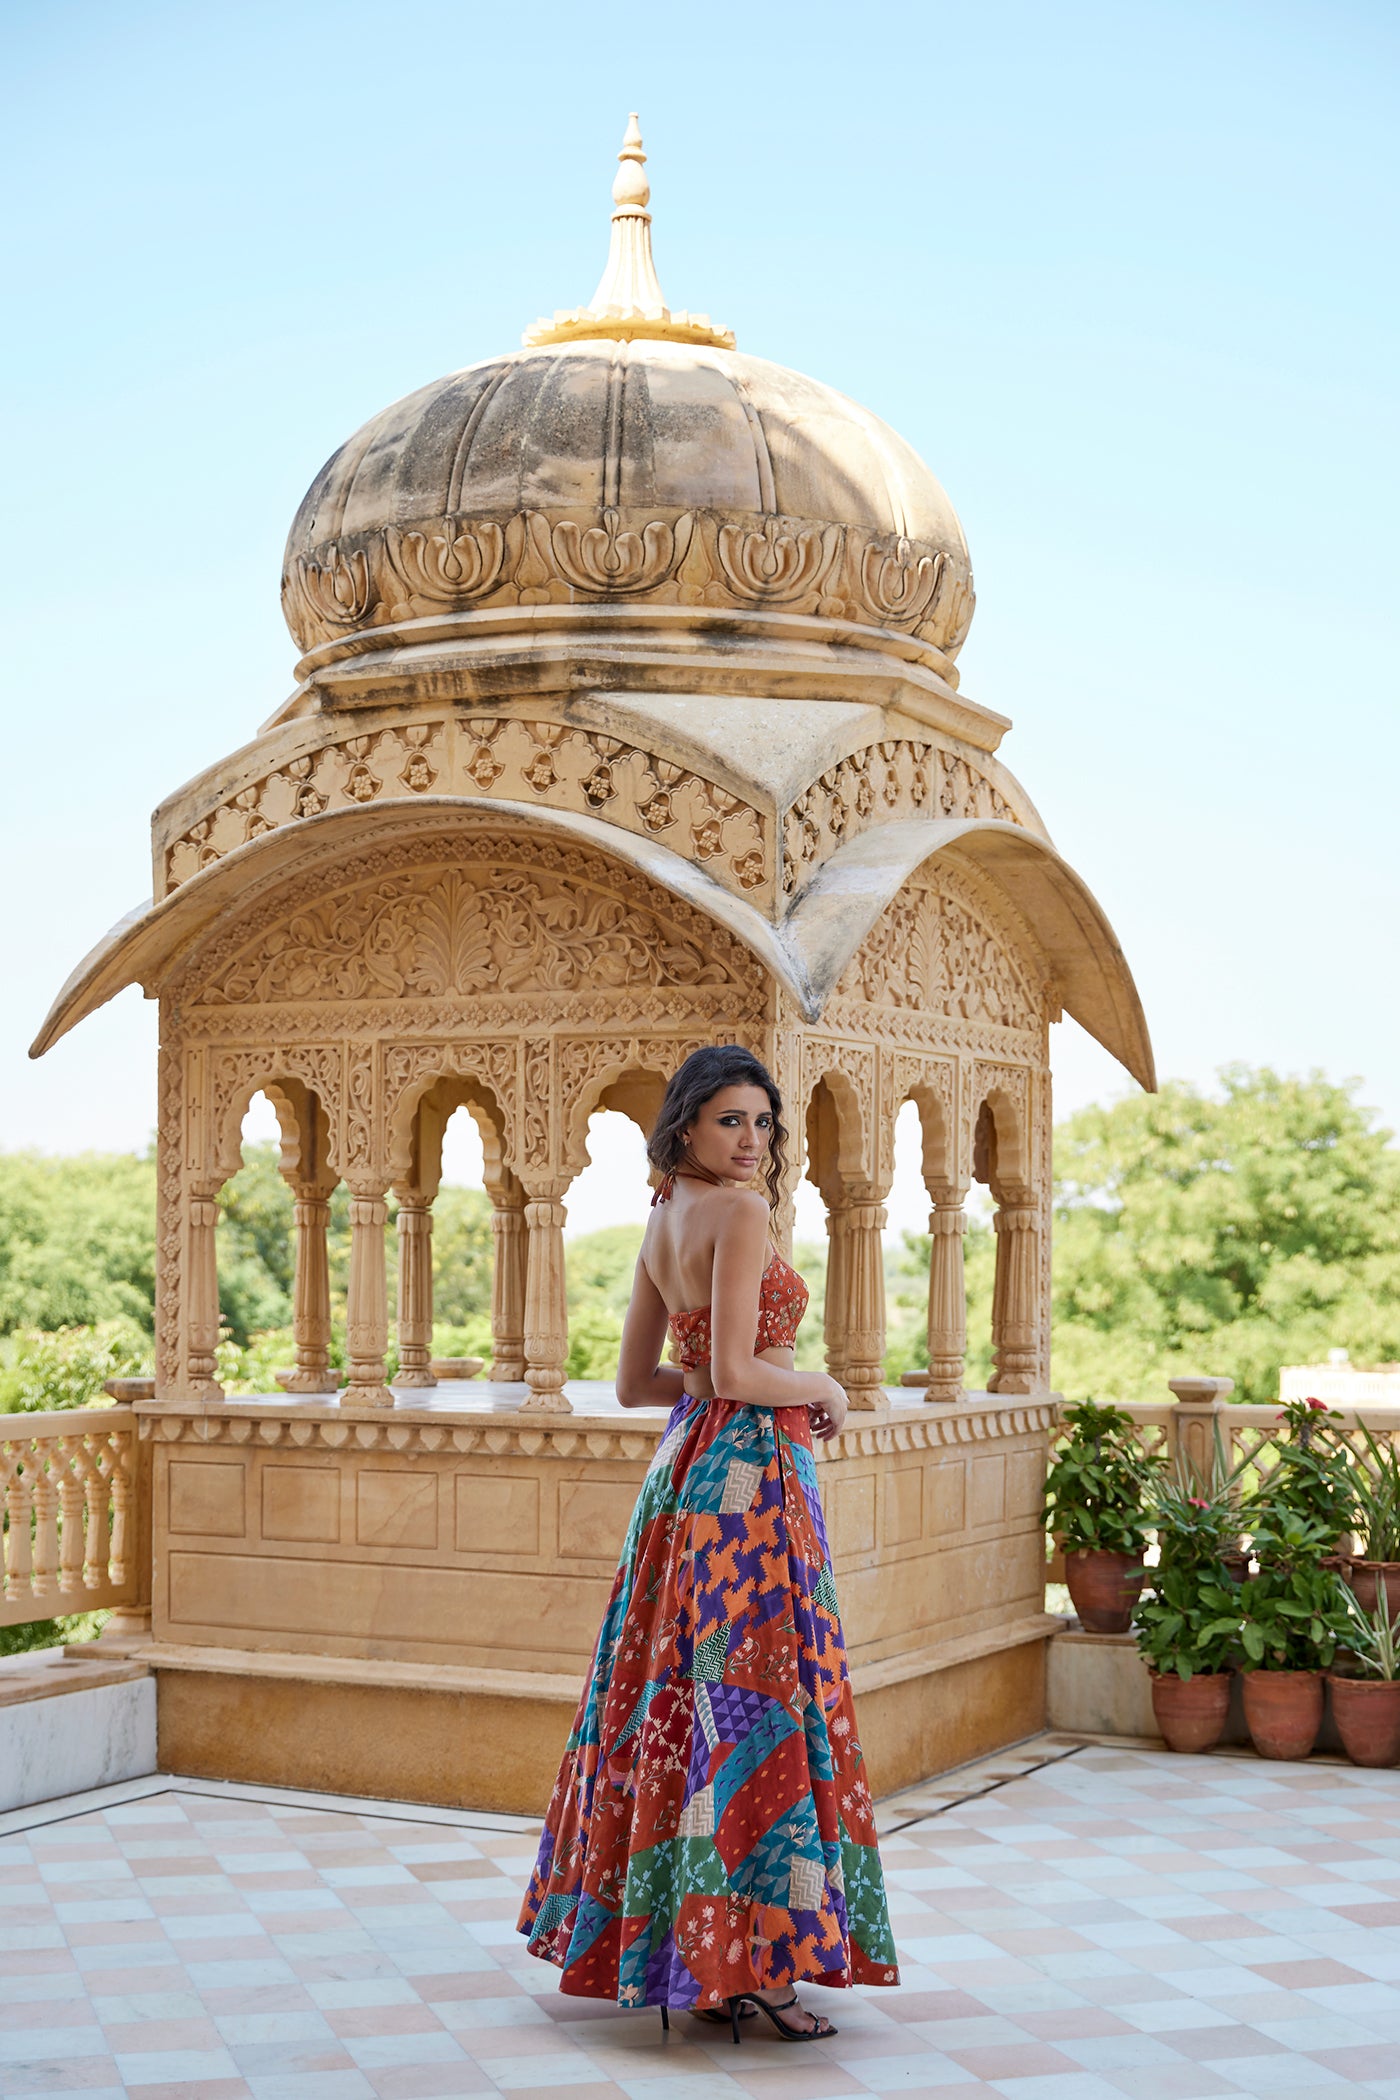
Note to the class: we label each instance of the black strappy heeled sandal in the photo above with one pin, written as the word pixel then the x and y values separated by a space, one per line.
pixel 820 2031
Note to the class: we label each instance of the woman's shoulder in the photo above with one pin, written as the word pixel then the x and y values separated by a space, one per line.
pixel 739 1210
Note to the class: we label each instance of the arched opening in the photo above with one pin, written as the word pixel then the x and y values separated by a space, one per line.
pixel 852 1298
pixel 607 1213
pixel 460 1223
pixel 463 1260
pixel 908 1249
pixel 282 1237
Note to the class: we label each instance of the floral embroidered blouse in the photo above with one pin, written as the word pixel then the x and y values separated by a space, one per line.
pixel 782 1300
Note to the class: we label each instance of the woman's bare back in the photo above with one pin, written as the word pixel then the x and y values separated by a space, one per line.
pixel 678 1254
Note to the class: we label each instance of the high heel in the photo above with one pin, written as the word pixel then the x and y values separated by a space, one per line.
pixel 821 2029
pixel 665 2020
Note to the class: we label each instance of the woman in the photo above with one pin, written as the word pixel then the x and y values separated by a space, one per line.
pixel 710 1841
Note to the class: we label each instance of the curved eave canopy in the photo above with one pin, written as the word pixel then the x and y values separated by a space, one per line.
pixel 1092 980
pixel 806 953
pixel 142 947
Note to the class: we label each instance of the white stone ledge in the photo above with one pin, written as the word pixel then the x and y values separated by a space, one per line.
pixel 70 1744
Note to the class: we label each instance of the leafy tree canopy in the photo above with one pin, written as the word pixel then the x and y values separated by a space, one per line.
pixel 77 1240
pixel 1224 1234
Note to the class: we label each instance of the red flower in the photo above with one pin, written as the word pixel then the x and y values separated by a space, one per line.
pixel 1198 1502
pixel 1321 1405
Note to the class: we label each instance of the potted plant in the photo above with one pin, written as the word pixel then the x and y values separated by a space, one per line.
pixel 1376 1514
pixel 1097 1497
pixel 1366 1693
pixel 1293 1618
pixel 1313 1473
pixel 1188 1624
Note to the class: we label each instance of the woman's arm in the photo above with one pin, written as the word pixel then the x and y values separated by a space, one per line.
pixel 642 1379
pixel 741 1256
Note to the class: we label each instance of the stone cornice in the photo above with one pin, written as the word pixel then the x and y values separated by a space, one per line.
pixel 270 1425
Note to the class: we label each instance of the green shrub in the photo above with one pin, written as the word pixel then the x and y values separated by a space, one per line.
pixel 1099 1489
pixel 68 1369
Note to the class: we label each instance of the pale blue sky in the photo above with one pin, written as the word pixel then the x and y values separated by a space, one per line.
pixel 1125 275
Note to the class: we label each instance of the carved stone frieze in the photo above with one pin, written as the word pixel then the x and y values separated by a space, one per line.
pixel 706 1007
pixel 896 778
pixel 508 758
pixel 929 1031
pixel 836 571
pixel 442 918
pixel 943 946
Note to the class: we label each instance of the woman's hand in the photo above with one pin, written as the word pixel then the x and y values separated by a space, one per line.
pixel 829 1412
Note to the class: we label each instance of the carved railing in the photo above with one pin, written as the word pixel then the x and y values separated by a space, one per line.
pixel 68 1488
pixel 1248 1435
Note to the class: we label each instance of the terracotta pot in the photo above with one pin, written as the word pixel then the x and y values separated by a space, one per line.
pixel 1103 1588
pixel 1236 1565
pixel 1283 1709
pixel 1367 1713
pixel 1191 1714
pixel 1365 1577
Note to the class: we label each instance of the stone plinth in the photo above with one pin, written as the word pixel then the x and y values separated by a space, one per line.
pixel 403 1603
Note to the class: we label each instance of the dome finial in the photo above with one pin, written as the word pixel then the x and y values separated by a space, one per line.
pixel 628 304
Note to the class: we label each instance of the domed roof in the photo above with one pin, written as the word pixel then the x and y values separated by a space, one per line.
pixel 626 455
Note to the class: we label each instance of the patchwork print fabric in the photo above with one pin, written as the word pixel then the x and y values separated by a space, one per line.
pixel 711 1828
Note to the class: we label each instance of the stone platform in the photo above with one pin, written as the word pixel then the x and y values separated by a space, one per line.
pixel 404 1602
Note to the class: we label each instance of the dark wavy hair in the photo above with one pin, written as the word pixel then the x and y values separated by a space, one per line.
pixel 704 1073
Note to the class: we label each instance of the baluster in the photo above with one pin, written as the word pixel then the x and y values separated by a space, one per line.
pixel 19 1557
pixel 97 1529
pixel 122 1450
pixel 70 1502
pixel 44 1581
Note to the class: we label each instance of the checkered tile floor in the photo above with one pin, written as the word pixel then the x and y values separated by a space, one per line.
pixel 1073 1925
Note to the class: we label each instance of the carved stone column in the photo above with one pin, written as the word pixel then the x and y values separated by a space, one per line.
pixel 415 1288
pixel 367 1299
pixel 546 1305
pixel 508 1290
pixel 311 1299
pixel 202 1296
pixel 1014 1333
pixel 864 1303
pixel 838 1223
pixel 947 1297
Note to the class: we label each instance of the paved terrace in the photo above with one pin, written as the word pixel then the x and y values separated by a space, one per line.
pixel 1075 1923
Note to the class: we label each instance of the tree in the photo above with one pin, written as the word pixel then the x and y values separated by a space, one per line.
pixel 77 1240
pixel 1226 1234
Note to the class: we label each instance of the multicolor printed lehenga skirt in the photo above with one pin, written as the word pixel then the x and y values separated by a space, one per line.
pixel 711 1829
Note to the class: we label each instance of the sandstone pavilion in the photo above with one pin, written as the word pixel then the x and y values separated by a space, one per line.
pixel 627 718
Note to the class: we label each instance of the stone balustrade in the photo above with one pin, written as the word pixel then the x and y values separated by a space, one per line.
pixel 69 1485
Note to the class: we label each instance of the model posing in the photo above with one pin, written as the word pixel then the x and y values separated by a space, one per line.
pixel 710 1842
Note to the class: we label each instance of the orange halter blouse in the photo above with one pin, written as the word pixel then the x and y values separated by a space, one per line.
pixel 782 1300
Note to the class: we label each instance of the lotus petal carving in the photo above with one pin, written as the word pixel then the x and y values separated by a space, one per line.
pixel 899 584
pixel 460 562
pixel 952 616
pixel 776 561
pixel 606 557
pixel 337 587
